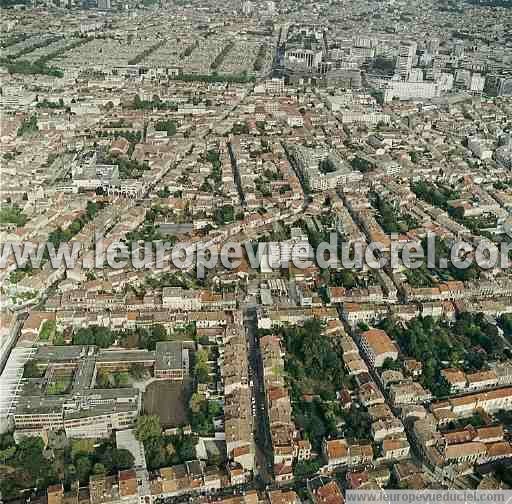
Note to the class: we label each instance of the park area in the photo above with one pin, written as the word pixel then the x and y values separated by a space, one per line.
pixel 169 401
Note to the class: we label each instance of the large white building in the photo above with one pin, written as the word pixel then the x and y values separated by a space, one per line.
pixel 338 102
pixel 312 163
pixel 363 117
pixel 304 57
pixel 274 86
pixel 480 148
pixel 16 98
pixel 409 90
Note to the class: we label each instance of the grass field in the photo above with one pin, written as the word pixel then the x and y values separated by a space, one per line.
pixel 47 332
pixel 168 400
pixel 59 385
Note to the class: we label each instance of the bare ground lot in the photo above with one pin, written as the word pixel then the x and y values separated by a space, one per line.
pixel 168 400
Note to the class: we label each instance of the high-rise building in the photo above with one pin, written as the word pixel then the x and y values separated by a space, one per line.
pixel 445 81
pixel 406 57
pixel 459 49
pixel 477 83
pixel 416 75
pixel 463 79
pixel 497 85
pixel 104 4
pixel 363 42
pixel 433 46
pixel 247 8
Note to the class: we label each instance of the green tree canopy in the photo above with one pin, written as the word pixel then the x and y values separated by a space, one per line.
pixel 147 426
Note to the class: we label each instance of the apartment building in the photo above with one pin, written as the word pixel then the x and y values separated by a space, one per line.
pixel 378 347
pixel 464 406
pixel 338 452
pixel 177 298
pixel 408 393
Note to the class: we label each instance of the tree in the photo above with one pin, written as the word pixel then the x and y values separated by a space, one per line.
pixel 94 335
pixel 12 215
pixel 153 336
pixel 91 209
pixel 167 126
pixel 84 336
pixel 47 330
pixel 103 378
pixel 121 380
pixel 137 370
pixel 442 388
pixel 147 426
pixel 360 164
pixel 506 324
pixel 103 337
pixel 383 64
pixel 10 487
pixel 122 459
pixel 7 447
pixel 224 215
pixel 155 453
pixel 201 367
pixel 159 332
pixel 83 468
pixel 70 475
pixel 164 193
pixel 111 458
pixel 29 459
pixel 31 370
pixel 28 126
pixel 306 468
pixel 357 424
pixel 82 447
pixel 390 364
pixel 30 454
pixel 7 453
pixel 99 468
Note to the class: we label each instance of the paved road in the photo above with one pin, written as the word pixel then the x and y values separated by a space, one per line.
pixel 261 427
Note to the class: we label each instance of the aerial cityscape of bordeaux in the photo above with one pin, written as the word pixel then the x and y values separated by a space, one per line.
pixel 255 251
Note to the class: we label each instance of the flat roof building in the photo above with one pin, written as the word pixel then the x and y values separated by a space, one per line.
pixel 171 360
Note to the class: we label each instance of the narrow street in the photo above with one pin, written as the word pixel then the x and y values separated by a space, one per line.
pixel 261 427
